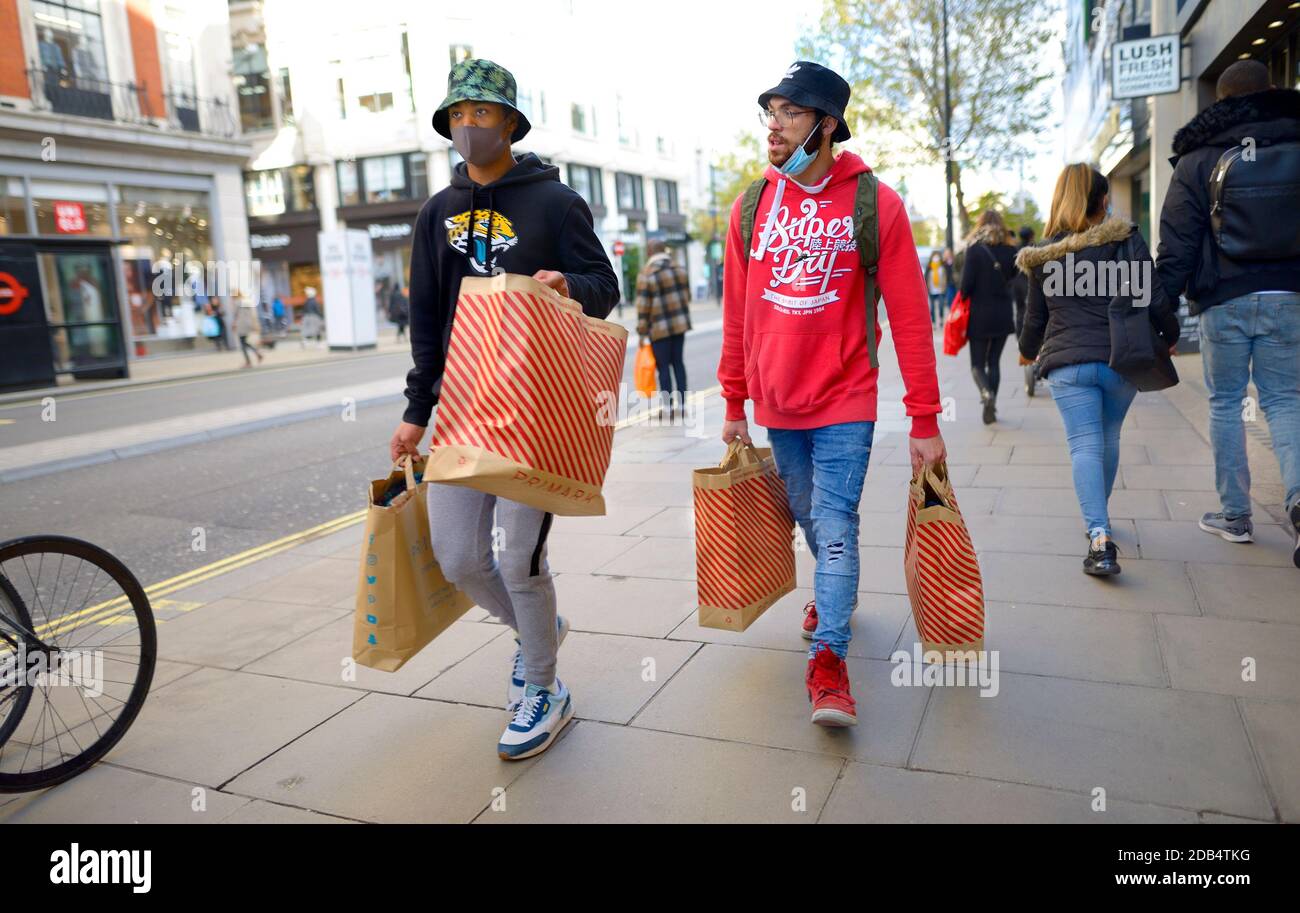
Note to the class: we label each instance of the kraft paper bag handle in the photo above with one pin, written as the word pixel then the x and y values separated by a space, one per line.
pixel 407 464
pixel 936 476
pixel 738 450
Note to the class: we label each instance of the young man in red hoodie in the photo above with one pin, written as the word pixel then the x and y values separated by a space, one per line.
pixel 795 341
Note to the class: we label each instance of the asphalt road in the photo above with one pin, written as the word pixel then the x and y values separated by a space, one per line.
pixel 242 491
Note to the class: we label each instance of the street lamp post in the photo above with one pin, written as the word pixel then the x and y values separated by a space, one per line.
pixel 947 129
pixel 714 285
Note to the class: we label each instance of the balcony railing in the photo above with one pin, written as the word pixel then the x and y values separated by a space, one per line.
pixel 63 92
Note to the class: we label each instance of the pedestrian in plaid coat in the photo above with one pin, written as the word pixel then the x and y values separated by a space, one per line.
pixel 663 316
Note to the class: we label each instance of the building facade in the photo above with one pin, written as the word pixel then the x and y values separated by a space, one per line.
pixel 1131 140
pixel 338 113
pixel 119 148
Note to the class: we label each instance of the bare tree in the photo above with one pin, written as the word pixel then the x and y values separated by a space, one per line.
pixel 891 51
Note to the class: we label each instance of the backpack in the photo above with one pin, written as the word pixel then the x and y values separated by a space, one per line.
pixel 1255 205
pixel 866 234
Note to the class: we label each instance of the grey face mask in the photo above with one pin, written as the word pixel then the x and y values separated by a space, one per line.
pixel 478 145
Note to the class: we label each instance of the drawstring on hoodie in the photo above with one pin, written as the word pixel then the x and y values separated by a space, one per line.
pixel 766 236
pixel 489 255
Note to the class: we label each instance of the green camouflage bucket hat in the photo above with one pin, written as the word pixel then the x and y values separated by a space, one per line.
pixel 480 80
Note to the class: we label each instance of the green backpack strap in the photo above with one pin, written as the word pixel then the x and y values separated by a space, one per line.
pixel 748 211
pixel 866 234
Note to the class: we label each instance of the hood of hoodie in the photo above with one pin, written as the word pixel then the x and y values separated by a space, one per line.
pixel 1272 115
pixel 528 168
pixel 1105 232
pixel 847 166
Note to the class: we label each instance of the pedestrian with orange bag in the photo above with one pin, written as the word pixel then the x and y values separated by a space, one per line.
pixel 663 315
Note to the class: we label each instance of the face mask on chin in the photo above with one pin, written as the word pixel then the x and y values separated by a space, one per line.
pixel 478 145
pixel 801 158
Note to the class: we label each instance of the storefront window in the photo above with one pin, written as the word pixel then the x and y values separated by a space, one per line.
pixel 384 178
pixel 182 85
pixel 587 182
pixel 419 170
pixel 70 42
pixel 374 74
pixel 629 191
pixel 13 207
pixel 253 83
pixel 169 226
pixel 69 209
pixel 349 190
pixel 280 190
pixel 666 196
pixel 80 309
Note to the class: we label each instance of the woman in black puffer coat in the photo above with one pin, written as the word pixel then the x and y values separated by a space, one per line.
pixel 986 282
pixel 1067 329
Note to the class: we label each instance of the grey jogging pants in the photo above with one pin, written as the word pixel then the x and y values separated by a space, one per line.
pixel 513 584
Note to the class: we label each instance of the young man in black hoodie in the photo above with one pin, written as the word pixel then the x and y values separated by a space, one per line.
pixel 500 214
pixel 1249 301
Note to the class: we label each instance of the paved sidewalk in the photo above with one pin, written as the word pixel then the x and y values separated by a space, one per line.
pixel 1132 686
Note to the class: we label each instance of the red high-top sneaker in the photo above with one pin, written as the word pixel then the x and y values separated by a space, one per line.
pixel 828 690
pixel 810 619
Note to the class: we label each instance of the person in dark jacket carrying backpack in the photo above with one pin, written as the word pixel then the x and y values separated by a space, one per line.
pixel 986 281
pixel 1073 277
pixel 1230 240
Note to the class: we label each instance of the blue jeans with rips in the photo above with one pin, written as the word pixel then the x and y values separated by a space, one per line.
pixel 823 470
pixel 1252 337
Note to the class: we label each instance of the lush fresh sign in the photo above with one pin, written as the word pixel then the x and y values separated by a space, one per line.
pixel 1146 66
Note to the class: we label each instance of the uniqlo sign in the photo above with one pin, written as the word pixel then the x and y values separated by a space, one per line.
pixel 69 218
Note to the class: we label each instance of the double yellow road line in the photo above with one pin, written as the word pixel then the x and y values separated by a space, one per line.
pixel 201 574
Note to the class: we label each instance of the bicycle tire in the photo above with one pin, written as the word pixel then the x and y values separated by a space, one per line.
pixel 27 781
pixel 15 713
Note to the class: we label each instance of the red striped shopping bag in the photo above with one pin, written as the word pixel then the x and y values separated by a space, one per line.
pixel 744 555
pixel 529 397
pixel 942 572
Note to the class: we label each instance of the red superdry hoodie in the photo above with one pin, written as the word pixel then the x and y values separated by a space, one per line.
pixel 794 312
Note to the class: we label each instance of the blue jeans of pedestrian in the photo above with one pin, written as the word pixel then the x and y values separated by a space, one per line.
pixel 1255 336
pixel 823 470
pixel 1093 400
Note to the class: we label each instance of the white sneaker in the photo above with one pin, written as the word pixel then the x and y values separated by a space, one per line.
pixel 537 722
pixel 515 687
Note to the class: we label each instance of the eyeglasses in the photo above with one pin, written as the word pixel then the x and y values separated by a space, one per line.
pixel 784 116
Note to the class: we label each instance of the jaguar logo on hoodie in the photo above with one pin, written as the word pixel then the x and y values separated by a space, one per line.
pixel 501 236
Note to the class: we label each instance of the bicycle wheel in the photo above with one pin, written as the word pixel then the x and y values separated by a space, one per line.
pixel 82 642
pixel 15 624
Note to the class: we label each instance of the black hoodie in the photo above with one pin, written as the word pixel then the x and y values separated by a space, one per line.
pixel 1187 260
pixel 535 223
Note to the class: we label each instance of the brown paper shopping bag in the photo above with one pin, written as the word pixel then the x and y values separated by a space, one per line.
pixel 403 599
pixel 529 397
pixel 744 555
pixel 941 569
